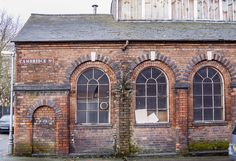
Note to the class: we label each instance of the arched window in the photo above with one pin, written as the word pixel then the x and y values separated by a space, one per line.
pixel 93 97
pixel 208 95
pixel 152 93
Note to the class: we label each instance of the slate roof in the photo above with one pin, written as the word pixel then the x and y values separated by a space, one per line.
pixel 61 28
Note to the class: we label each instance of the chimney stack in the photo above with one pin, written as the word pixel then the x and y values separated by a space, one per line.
pixel 95 8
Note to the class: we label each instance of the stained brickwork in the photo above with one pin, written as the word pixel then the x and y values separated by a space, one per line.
pixel 44 131
pixel 53 86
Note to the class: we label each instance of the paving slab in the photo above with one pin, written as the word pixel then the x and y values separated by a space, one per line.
pixel 173 158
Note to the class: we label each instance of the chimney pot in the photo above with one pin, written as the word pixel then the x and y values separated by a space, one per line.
pixel 95 6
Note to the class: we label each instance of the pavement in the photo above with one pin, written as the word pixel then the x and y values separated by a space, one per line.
pixel 3 144
pixel 5 157
pixel 173 158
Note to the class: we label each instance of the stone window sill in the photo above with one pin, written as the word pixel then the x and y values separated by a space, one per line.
pixel 94 126
pixel 210 123
pixel 153 125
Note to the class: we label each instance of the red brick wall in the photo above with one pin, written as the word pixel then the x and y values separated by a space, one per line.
pixel 179 61
pixel 44 131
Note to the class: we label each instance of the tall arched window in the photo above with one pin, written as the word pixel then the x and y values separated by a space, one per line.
pixel 208 95
pixel 151 93
pixel 93 97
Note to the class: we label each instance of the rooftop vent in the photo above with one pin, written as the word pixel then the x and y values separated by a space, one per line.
pixel 95 6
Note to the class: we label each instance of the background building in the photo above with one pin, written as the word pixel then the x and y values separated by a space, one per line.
pixel 152 77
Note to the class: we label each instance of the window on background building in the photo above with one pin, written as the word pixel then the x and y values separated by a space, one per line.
pixel 93 97
pixel 208 95
pixel 151 96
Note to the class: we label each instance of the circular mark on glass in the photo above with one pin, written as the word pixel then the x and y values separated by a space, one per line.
pixel 103 105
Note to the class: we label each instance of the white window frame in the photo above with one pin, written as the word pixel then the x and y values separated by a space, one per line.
pixel 109 101
pixel 167 95
pixel 222 100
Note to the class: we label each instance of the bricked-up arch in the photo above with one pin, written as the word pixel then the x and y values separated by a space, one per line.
pixel 41 103
pixel 203 57
pixel 86 58
pixel 159 57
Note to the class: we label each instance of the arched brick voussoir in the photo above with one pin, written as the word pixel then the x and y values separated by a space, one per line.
pixel 215 57
pixel 43 102
pixel 87 58
pixel 158 57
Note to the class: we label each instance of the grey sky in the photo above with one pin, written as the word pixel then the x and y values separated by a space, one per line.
pixel 24 8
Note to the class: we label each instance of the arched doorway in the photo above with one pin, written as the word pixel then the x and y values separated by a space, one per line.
pixel 44 131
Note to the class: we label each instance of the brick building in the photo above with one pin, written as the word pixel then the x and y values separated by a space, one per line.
pixel 151 77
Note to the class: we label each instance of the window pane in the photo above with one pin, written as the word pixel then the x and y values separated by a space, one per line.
pixel 197 79
pixel 103 117
pixel 82 80
pixel 92 117
pixel 211 72
pixel 207 101
pixel 151 81
pixel 82 91
pixel 202 72
pixel 150 111
pixel 103 80
pixel 151 90
pixel 217 88
pixel 208 114
pixel 97 73
pixel 197 101
pixel 141 79
pixel 88 73
pixel 81 117
pixel 207 89
pixel 140 90
pixel 155 73
pixel 162 89
pixel 147 73
pixel 92 91
pixel 151 103
pixel 217 78
pixel 197 89
pixel 161 79
pixel 162 102
pixel 81 106
pixel 197 114
pixel 217 101
pixel 92 105
pixel 218 113
pixel 162 116
pixel 140 102
pixel 103 91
